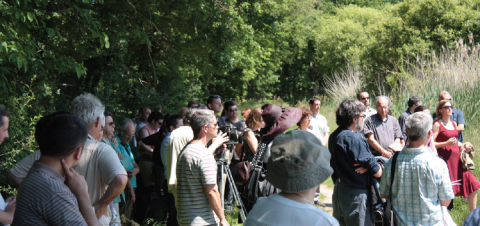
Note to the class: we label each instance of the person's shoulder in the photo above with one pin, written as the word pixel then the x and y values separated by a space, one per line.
pixel 392 118
pixel 325 218
pixel 457 111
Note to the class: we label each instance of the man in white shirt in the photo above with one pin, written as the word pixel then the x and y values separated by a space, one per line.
pixel 364 97
pixel 319 124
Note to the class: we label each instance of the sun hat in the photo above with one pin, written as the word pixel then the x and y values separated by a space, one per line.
pixel 298 162
pixel 278 120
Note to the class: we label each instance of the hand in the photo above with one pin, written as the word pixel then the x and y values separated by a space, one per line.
pixel 387 154
pixel 74 181
pixel 452 141
pixel 224 222
pixel 133 198
pixel 114 141
pixel 120 155
pixel 219 140
pixel 11 205
pixel 360 169
pixel 100 210
pixel 11 198
pixel 133 172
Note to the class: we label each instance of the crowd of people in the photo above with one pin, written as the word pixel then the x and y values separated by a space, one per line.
pixel 87 160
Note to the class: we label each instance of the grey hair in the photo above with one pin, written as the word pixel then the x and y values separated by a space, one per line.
pixel 199 119
pixel 385 97
pixel 88 107
pixel 442 94
pixel 188 116
pixel 123 126
pixel 418 125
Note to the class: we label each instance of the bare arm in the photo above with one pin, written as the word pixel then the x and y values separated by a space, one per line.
pixel 144 149
pixel 379 172
pixel 217 142
pixel 252 141
pixel 78 186
pixel 374 143
pixel 460 128
pixel 445 202
pixel 436 131
pixel 132 192
pixel 6 217
pixel 213 197
pixel 114 189
pixel 14 179
pixel 135 170
pixel 325 139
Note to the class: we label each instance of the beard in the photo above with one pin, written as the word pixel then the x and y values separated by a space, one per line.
pixel 359 126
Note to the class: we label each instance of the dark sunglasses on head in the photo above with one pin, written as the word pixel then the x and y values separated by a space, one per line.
pixel 233 109
pixel 365 98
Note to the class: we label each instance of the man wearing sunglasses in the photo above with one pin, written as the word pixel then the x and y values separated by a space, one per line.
pixel 364 97
pixel 231 118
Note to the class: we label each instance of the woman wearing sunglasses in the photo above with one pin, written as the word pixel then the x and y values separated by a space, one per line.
pixel 445 135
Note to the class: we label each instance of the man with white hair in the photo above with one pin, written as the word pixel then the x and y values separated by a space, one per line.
pixel 421 183
pixel 382 129
pixel 106 178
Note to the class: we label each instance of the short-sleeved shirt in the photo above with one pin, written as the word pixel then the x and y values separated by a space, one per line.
pixel 99 165
pixel 457 117
pixel 278 210
pixel 164 150
pixel 384 132
pixel 21 169
pixel 348 148
pixel 319 126
pixel 178 140
pixel 44 199
pixel 196 167
pixel 421 181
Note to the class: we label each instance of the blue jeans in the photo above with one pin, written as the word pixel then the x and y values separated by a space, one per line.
pixel 350 205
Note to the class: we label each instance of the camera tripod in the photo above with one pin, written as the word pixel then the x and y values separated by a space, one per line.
pixel 222 170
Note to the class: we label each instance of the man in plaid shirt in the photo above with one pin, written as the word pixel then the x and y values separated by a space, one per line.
pixel 421 185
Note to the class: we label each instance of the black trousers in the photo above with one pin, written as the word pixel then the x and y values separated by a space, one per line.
pixel 170 201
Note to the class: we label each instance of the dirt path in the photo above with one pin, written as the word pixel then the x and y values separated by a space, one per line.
pixel 327 198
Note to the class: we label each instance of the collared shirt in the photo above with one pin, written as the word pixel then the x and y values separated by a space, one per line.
pixel 421 181
pixel 128 158
pixel 385 132
pixel 195 167
pixel 401 120
pixel 44 199
pixel 164 150
pixel 348 148
pixel 319 126
pixel 370 111
pixel 457 117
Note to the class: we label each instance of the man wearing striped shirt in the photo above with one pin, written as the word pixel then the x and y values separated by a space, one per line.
pixel 52 193
pixel 198 199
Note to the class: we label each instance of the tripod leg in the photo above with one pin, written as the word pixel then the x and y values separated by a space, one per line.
pixel 236 196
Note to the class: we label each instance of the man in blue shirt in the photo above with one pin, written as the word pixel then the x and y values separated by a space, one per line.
pixel 349 151
pixel 421 185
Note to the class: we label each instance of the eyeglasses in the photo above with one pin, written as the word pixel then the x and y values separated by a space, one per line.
pixel 361 116
pixel 233 109
pixel 111 123
pixel 159 123
pixel 101 129
pixel 365 98
pixel 448 107
pixel 215 125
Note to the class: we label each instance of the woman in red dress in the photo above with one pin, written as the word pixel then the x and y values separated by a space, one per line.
pixel 446 141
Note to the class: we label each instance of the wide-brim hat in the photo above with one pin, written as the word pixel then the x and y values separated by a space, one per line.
pixel 298 162
pixel 277 121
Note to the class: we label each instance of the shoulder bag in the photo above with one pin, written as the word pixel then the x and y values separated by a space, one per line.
pixel 241 170
pixel 257 186
pixel 384 214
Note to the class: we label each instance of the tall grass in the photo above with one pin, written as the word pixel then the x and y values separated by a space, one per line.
pixel 454 70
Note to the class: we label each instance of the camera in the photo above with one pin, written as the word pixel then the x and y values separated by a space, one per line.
pixel 232 133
